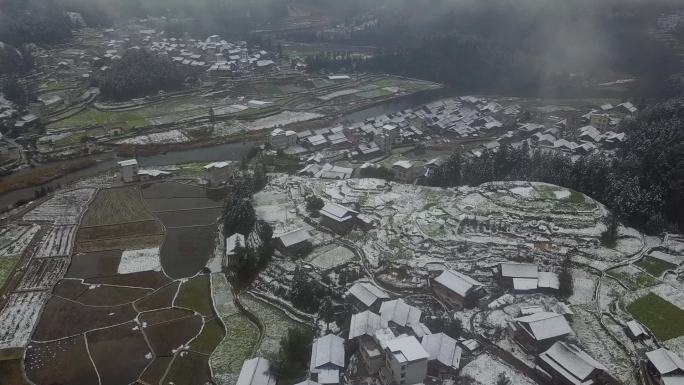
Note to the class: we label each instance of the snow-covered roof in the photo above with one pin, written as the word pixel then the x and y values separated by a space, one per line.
pixel 399 312
pixel 339 77
pixel 308 382
pixel 294 237
pixel 443 348
pixel 545 325
pixel 459 283
pixel 407 349
pixel 407 164
pixel 420 329
pixel 366 322
pixel 256 371
pixel 217 165
pixel 129 162
pixel 232 242
pixel 519 270
pixel 571 362
pixel 548 280
pixel 327 350
pixel 367 293
pixel 666 362
pixel 635 328
pixel 153 173
pixel 337 212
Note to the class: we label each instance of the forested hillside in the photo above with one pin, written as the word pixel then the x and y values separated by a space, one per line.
pixel 643 183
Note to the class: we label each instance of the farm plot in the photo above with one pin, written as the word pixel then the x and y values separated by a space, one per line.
pixel 331 256
pixel 87 265
pixel 195 294
pixel 64 208
pixel 222 295
pixel 15 239
pixel 43 273
pixel 133 261
pixel 120 230
pixel 274 321
pixel 237 346
pixel 116 205
pixel 665 319
pixel 58 243
pixel 60 362
pixel 137 242
pixel 62 318
pixel 18 317
pixel 6 266
pixel 125 342
pixel 188 368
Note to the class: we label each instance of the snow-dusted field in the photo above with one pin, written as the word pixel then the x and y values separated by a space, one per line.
pixel 282 119
pixel 330 256
pixel 134 261
pixel 222 295
pixel 15 240
pixel 486 369
pixel 171 136
pixel 64 208
pixel 18 318
pixel 58 243
pixel 43 273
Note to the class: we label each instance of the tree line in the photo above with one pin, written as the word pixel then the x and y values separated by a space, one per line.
pixel 139 73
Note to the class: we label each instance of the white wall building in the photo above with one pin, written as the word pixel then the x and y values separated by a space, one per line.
pixel 281 139
pixel 129 170
pixel 406 362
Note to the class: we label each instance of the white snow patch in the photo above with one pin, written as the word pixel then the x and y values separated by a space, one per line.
pixel 134 261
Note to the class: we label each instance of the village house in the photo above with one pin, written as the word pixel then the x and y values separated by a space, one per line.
pixel 404 171
pixel 233 242
pixel 293 242
pixel 129 170
pixel 327 359
pixel 567 364
pixel 406 362
pixel 432 166
pixel 445 355
pixel 280 139
pixel 150 174
pixel 538 331
pixel 636 331
pixel 365 295
pixel 522 277
pixel 217 173
pixel 363 328
pixel 665 367
pixel 456 289
pixel 338 218
pixel 600 121
pixel 256 371
pixel 400 313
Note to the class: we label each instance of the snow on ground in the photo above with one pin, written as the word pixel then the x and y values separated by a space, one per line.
pixel 598 343
pixel 18 318
pixel 15 240
pixel 486 369
pixel 171 136
pixel 58 243
pixel 330 256
pixel 222 296
pixel 282 119
pixel 670 293
pixel 525 192
pixel 583 287
pixel 338 94
pixel 64 208
pixel 134 261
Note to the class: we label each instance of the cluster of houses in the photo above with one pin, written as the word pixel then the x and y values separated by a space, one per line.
pixel 215 173
pixel 214 55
